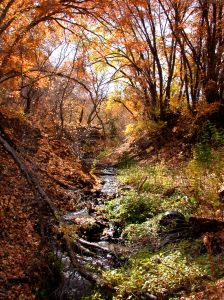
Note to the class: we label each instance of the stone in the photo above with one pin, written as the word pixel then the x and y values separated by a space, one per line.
pixel 221 193
pixel 172 217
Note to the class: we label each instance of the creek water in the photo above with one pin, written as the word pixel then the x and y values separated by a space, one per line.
pixel 102 234
pixel 110 185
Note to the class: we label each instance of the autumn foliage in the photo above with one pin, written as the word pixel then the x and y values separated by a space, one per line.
pixel 118 66
pixel 159 57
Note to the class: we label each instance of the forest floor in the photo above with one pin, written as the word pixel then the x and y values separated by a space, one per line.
pixel 55 163
pixel 167 171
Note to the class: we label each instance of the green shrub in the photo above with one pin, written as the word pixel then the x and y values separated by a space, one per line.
pixel 209 138
pixel 205 180
pixel 132 207
pixel 203 153
pixel 146 232
pixel 126 162
pixel 175 267
pixel 136 207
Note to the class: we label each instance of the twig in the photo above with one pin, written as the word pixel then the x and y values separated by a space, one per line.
pixel 141 183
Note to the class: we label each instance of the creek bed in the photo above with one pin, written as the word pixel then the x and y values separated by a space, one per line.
pixel 96 234
pixel 109 188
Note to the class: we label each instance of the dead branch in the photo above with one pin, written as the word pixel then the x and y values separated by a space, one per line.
pixel 92 277
pixel 141 183
pixel 94 245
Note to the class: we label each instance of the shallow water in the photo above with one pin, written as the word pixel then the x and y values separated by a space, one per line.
pixel 75 286
pixel 109 182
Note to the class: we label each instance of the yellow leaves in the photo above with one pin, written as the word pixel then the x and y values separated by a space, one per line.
pixel 43 82
pixel 129 129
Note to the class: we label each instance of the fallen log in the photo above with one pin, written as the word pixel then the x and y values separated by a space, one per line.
pixel 84 250
pixel 203 225
pixel 193 228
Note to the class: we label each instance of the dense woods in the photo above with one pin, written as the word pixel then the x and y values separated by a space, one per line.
pixel 90 84
pixel 152 59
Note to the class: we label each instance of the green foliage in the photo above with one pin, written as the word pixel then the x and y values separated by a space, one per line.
pixel 180 202
pixel 126 161
pixel 209 138
pixel 158 177
pixel 176 266
pixel 205 180
pixel 134 129
pixel 98 295
pixel 140 126
pixel 203 153
pixel 107 147
pixel 132 207
pixel 146 232
pixel 103 153
pixel 196 187
pixel 147 200
pixel 136 207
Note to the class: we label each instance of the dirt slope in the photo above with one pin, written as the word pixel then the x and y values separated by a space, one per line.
pixel 58 170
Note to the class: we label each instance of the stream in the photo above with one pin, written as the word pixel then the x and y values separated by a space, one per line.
pixel 110 185
pixel 95 233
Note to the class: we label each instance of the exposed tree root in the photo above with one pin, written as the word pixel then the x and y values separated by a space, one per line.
pixel 92 277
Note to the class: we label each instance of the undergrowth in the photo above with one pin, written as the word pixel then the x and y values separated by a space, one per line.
pixel 170 272
pixel 190 188
pixel 149 194
pixel 160 273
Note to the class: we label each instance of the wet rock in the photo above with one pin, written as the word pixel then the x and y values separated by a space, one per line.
pixel 150 296
pixel 111 233
pixel 81 217
pixel 110 187
pixel 221 193
pixel 73 285
pixel 94 232
pixel 172 218
pixel 110 171
pixel 98 239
